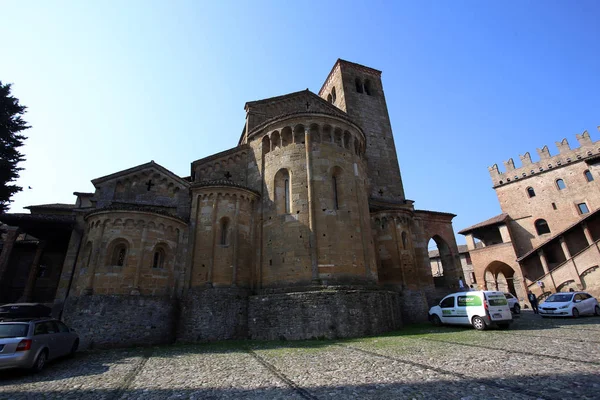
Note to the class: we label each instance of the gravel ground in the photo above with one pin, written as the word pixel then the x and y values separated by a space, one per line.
pixel 536 359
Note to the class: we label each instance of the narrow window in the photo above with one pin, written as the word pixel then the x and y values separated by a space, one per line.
pixel 583 208
pixel 159 258
pixel 560 184
pixel 330 98
pixel 468 258
pixel 541 227
pixel 530 192
pixel 404 240
pixel 473 280
pixel 368 87
pixel 359 86
pixel 588 175
pixel 286 197
pixel 333 96
pixel 335 194
pixel 119 254
pixel 554 206
pixel 224 230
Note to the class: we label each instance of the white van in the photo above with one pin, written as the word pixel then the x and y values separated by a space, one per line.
pixel 478 308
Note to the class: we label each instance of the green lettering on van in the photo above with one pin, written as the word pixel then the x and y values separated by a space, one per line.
pixel 469 301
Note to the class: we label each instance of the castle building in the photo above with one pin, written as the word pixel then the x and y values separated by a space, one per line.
pixel 301 230
pixel 546 238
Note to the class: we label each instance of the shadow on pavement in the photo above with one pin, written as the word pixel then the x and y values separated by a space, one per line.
pixel 546 387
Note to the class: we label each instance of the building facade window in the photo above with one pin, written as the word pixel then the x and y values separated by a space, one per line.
pixel 333 96
pixel 335 194
pixel 358 84
pixel 530 192
pixel 541 227
pixel 583 208
pixel 404 241
pixel 158 261
pixel 468 258
pixel 560 184
pixel 588 175
pixel 224 231
pixel 368 87
pixel 119 255
pixel 283 191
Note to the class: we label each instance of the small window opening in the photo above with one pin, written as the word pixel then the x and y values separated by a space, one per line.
pixel 287 196
pixel 330 98
pixel 335 194
pixel 554 206
pixel 159 259
pixel 404 242
pixel 541 227
pixel 359 86
pixel 119 254
pixel 368 87
pixel 560 184
pixel 530 192
pixel 224 231
pixel 583 208
pixel 333 96
pixel 588 175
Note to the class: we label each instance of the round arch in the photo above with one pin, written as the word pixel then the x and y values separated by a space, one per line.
pixel 500 276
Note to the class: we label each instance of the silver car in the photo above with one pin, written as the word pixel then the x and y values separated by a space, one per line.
pixel 31 343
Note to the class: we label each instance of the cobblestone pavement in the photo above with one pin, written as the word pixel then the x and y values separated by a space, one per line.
pixel 536 359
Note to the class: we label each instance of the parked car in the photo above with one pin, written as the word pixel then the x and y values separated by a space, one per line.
pixel 570 304
pixel 513 303
pixel 30 343
pixel 478 308
pixel 24 310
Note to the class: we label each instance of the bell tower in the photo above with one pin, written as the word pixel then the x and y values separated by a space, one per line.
pixel 358 91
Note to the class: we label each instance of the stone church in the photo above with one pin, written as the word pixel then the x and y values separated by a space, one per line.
pixel 302 230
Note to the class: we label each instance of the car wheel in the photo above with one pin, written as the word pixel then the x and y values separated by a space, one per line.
pixel 503 326
pixel 40 362
pixel 435 320
pixel 517 309
pixel 478 323
pixel 575 313
pixel 74 348
pixel 597 311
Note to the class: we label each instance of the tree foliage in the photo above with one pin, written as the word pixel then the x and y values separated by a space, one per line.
pixel 11 124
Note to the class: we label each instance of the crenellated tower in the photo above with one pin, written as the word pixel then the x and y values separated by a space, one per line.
pixel 358 91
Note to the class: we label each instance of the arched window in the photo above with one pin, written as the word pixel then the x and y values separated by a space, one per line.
pixel 330 98
pixel 541 227
pixel 560 184
pixel 404 242
pixel 530 192
pixel 158 261
pixel 335 194
pixel 119 255
pixel 224 231
pixel 368 87
pixel 333 96
pixel 283 191
pixel 359 86
pixel 266 145
pixel 588 175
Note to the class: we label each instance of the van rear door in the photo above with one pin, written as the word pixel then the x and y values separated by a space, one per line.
pixel 498 306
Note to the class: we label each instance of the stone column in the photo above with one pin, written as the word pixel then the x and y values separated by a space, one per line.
pixel 565 248
pixel 543 261
pixel 89 287
pixel 11 238
pixel 312 237
pixel 33 271
pixel 211 266
pixel 140 262
pixel 235 242
pixel 587 233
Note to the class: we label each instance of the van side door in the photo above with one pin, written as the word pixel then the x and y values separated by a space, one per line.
pixel 462 302
pixel 448 306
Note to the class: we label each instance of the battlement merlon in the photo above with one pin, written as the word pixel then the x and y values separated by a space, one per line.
pixel 546 161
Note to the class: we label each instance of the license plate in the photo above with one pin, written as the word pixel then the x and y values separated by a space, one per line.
pixel 496 315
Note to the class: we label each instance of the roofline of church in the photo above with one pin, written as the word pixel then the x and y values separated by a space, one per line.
pixel 138 168
pixel 351 64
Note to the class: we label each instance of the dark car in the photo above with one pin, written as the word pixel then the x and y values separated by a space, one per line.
pixel 24 310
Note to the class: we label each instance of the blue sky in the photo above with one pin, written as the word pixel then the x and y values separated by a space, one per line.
pixel 112 84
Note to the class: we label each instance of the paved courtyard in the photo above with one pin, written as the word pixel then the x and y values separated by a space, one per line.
pixel 536 359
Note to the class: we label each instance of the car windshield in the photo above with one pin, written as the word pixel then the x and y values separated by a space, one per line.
pixel 13 330
pixel 559 298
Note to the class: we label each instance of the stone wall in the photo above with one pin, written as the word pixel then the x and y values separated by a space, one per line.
pixel 121 321
pixel 328 313
pixel 213 314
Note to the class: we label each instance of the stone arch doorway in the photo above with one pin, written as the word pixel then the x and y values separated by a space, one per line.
pixel 441 260
pixel 500 276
